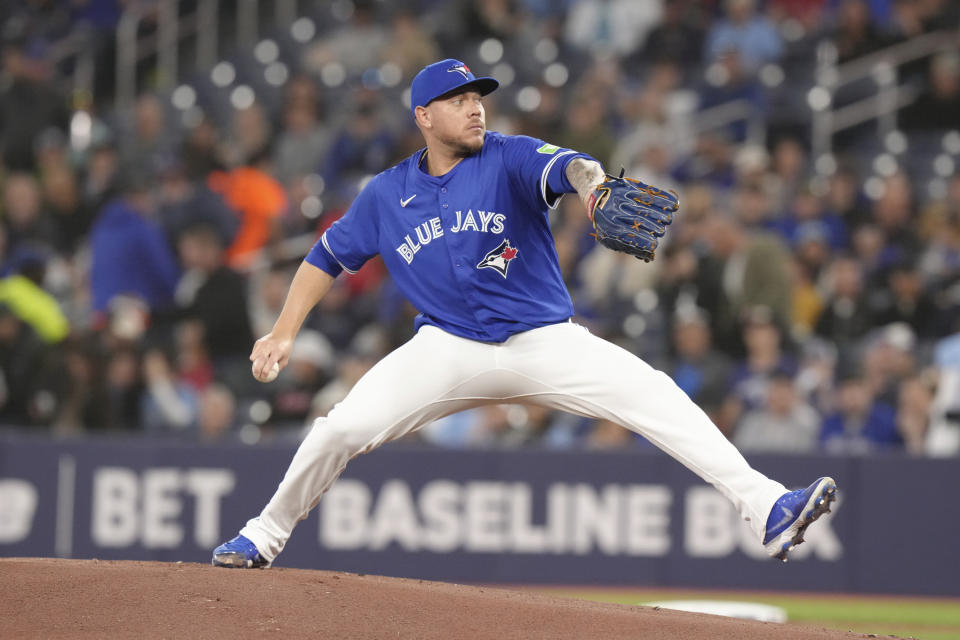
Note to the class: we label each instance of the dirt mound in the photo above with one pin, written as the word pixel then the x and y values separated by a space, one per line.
pixel 50 598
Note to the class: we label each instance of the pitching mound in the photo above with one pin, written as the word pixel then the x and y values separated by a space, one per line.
pixel 49 598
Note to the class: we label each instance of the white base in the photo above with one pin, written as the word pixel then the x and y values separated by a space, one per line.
pixel 743 610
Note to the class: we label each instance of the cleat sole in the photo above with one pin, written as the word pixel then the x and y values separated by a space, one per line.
pixel 235 561
pixel 821 505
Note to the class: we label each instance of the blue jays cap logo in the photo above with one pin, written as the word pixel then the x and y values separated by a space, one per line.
pixel 462 69
pixel 500 258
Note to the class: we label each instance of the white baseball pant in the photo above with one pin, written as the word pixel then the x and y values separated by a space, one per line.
pixel 562 366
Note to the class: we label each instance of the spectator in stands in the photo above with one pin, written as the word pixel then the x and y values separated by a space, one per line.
pixel 905 300
pixel 938 14
pixel 806 304
pixel 149 140
pixel 586 128
pixel 71 220
pixel 248 138
pixel 604 434
pixel 302 142
pixel 784 424
pixel 847 316
pixel 100 181
pixel 260 201
pixel 939 106
pixel 27 371
pixel 677 286
pixel 410 46
pixel 790 172
pixel 812 247
pixel 753 207
pixel 353 363
pixel 168 406
pixel 809 14
pixel 573 241
pixel 309 368
pixel 741 271
pixel 855 33
pixel 659 119
pixel 214 296
pixel 678 38
pixel 943 432
pixel 124 389
pixel 217 413
pixel 859 423
pixel 339 316
pixel 362 148
pixel 806 209
pixel 183 203
pixel 192 360
pixel 83 400
pixel 605 27
pixel 912 19
pixel 529 425
pixel 356 45
pixel 24 217
pixel 609 288
pixel 940 235
pixel 129 250
pixel 267 292
pixel 710 163
pixel 874 255
pixel 546 121
pixel 889 359
pixel 766 357
pixel 913 413
pixel 22 291
pixel 30 103
pixel 845 200
pixel 817 371
pixel 728 80
pixel 491 19
pixel 893 213
pixel 200 150
pixel 700 370
pixel 747 32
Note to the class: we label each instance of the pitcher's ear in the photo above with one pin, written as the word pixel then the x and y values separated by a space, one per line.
pixel 423 117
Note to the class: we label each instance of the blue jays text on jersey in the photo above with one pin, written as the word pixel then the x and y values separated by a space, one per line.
pixel 472 249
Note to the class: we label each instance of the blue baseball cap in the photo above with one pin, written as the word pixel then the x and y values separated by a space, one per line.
pixel 442 77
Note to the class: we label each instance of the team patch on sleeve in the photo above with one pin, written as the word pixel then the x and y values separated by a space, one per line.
pixel 548 149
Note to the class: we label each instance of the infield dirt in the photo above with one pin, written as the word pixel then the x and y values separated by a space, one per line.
pixel 53 598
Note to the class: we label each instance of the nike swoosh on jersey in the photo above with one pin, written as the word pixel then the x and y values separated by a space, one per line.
pixel 404 203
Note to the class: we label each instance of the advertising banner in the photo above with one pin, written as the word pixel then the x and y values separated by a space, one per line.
pixel 613 518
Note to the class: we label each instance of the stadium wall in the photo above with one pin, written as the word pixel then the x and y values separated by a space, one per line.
pixel 612 518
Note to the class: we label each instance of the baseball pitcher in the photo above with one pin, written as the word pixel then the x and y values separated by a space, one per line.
pixel 462 226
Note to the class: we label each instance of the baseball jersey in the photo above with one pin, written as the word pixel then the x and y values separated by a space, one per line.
pixel 472 249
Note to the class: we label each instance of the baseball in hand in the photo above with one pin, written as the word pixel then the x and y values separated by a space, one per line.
pixel 270 376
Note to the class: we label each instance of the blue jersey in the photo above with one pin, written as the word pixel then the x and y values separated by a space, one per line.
pixel 472 249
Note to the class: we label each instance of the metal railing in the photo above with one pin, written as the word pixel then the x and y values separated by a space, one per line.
pixel 163 45
pixel 884 68
pixel 173 27
pixel 733 112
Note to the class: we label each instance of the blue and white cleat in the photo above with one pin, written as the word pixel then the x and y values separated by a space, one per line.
pixel 239 553
pixel 793 513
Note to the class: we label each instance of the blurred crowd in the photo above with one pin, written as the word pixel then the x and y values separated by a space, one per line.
pixel 806 305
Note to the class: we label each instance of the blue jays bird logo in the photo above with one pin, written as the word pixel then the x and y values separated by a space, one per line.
pixel 499 259
pixel 462 69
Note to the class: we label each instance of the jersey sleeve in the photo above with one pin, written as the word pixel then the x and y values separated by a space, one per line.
pixel 350 241
pixel 540 167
